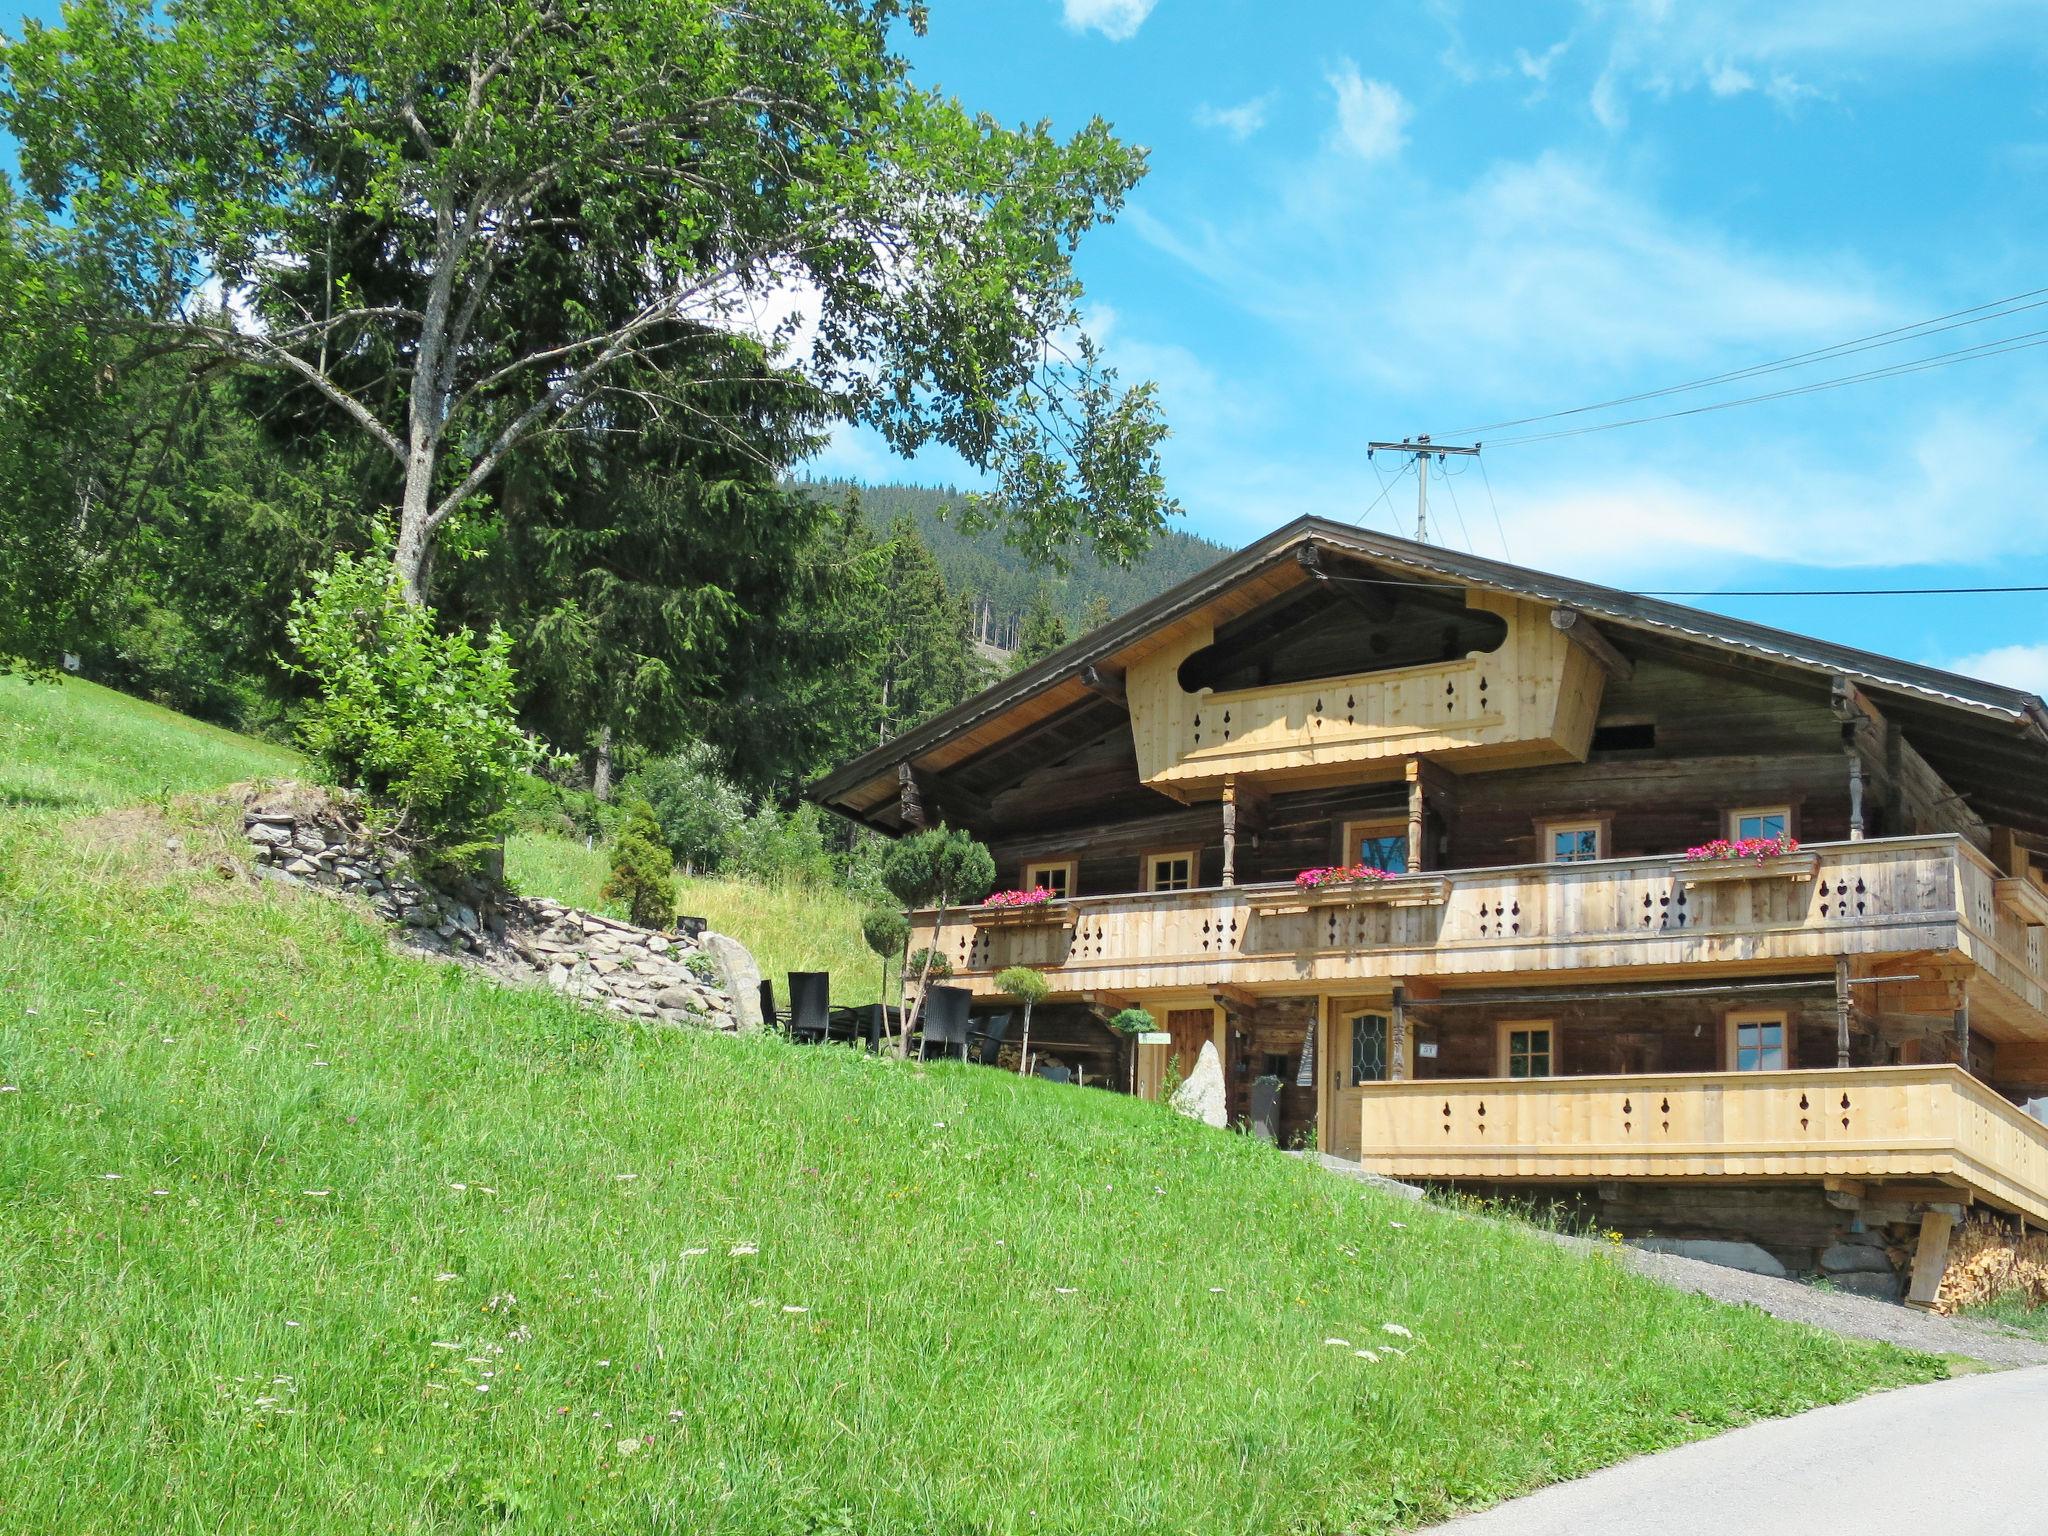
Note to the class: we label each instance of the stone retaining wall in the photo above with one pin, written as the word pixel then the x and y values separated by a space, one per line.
pixel 305 837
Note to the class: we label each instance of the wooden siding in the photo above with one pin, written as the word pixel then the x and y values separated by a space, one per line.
pixel 1533 699
pixel 1871 1122
pixel 1872 898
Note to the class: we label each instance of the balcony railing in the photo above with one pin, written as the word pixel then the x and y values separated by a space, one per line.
pixel 1892 895
pixel 1881 1123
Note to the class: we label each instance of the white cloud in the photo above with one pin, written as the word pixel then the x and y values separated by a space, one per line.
pixel 1114 19
pixel 1726 79
pixel 2016 666
pixel 1372 117
pixel 1537 66
pixel 1240 121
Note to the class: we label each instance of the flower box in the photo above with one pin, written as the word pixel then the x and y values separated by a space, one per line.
pixel 1394 891
pixel 1783 866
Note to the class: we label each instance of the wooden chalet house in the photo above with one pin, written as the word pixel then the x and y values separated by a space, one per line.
pixel 1547 993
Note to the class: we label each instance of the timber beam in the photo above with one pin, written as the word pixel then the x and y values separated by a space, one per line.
pixel 1582 632
pixel 924 799
pixel 1104 683
pixel 1230 997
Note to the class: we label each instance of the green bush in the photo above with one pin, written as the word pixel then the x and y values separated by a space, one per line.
pixel 643 872
pixel 941 967
pixel 420 721
pixel 700 810
pixel 783 848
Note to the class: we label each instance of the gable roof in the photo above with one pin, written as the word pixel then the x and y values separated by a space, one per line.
pixel 1975 733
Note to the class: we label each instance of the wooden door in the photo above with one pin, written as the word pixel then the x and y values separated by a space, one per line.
pixel 1360 1040
pixel 1191 1028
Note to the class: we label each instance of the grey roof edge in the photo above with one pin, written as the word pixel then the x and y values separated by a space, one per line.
pixel 2023 709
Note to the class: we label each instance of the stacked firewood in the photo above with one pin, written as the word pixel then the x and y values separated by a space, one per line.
pixel 1988 1260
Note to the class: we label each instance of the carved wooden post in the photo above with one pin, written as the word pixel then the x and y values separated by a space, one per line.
pixel 1397 1039
pixel 1416 851
pixel 1229 829
pixel 1855 796
pixel 1841 1013
pixel 1963 1033
pixel 909 802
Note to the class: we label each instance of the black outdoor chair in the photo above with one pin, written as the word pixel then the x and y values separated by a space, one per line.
pixel 1265 1115
pixel 1053 1073
pixel 986 1042
pixel 945 1022
pixel 770 1019
pixel 810 1007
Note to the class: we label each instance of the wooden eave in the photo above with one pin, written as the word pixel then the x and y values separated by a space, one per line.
pixel 1989 741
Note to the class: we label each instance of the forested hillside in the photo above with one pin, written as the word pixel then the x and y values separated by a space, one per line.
pixel 999 584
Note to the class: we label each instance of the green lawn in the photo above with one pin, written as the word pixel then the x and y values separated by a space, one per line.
pixel 297 1232
pixel 72 745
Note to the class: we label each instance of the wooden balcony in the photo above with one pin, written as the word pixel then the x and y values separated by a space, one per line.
pixel 1884 896
pixel 1924 1124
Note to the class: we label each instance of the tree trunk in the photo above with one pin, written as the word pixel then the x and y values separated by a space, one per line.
pixel 601 770
pixel 912 1009
pixel 414 551
pixel 1024 1049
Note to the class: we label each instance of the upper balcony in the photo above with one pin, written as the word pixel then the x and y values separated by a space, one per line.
pixel 1883 896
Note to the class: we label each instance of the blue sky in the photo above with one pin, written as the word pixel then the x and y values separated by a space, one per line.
pixel 1366 221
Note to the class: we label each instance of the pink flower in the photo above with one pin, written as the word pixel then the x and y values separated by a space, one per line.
pixel 1757 848
pixel 1341 874
pixel 1037 896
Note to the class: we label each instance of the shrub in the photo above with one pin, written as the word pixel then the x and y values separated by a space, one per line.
pixel 1029 988
pixel 937 869
pixel 643 873
pixel 783 848
pixel 420 721
pixel 886 931
pixel 928 963
pixel 701 812
pixel 1132 1021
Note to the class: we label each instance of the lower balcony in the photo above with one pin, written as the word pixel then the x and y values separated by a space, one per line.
pixel 1926 1125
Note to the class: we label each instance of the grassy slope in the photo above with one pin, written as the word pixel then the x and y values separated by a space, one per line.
pixel 350 1184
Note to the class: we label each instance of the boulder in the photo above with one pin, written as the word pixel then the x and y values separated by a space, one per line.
pixel 1729 1255
pixel 1854 1258
pixel 1201 1096
pixel 738 975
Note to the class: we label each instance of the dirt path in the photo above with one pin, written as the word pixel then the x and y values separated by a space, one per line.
pixel 1855 1317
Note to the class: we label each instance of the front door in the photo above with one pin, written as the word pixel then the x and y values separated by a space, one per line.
pixel 1191 1028
pixel 1361 1042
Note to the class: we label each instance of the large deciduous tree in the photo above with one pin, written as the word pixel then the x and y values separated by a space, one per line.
pixel 358 194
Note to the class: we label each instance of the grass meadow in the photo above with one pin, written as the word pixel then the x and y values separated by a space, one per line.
pixel 301 1233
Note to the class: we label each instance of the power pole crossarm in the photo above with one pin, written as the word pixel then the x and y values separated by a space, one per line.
pixel 1422 449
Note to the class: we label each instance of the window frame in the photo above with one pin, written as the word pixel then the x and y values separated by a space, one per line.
pixel 1504 1033
pixel 1601 826
pixel 1072 867
pixel 1352 1016
pixel 1732 819
pixel 1397 825
pixel 1148 869
pixel 1731 1037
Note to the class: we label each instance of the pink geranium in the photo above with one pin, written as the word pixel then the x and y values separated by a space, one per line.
pixel 1341 874
pixel 1757 848
pixel 1037 896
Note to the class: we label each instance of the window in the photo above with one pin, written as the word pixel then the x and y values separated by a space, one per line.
pixel 1525 1048
pixel 1368 1048
pixel 1625 736
pixel 1573 842
pixel 1171 871
pixel 1382 844
pixel 1757 1042
pixel 1059 876
pixel 1760 821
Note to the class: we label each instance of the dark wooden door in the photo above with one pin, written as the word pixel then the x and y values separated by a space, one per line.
pixel 1191 1028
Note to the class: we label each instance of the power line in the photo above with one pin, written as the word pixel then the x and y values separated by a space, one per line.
pixel 1386 486
pixel 1980 313
pixel 1462 529
pixel 2020 343
pixel 1487 480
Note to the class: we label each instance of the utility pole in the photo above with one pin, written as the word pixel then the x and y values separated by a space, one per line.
pixel 1421 447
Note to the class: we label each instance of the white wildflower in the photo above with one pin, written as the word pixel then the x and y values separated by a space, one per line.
pixel 1396 1330
pixel 627 1447
pixel 1338 1343
pixel 1367 1355
pixel 742 1250
pixel 1066 1290
pixel 1402 1225
pixel 695 1253
pixel 290 1324
pixel 796 1309
pixel 444 1344
pixel 446 1275
pixel 458 1187
pixel 316 1191
pixel 1215 1290
pixel 110 1176
pixel 622 1177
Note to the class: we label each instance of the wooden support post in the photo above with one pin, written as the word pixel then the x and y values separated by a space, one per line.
pixel 1104 682
pixel 1417 851
pixel 1930 1259
pixel 910 801
pixel 1229 829
pixel 1842 1010
pixel 1855 795
pixel 1963 1033
pixel 1397 1039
